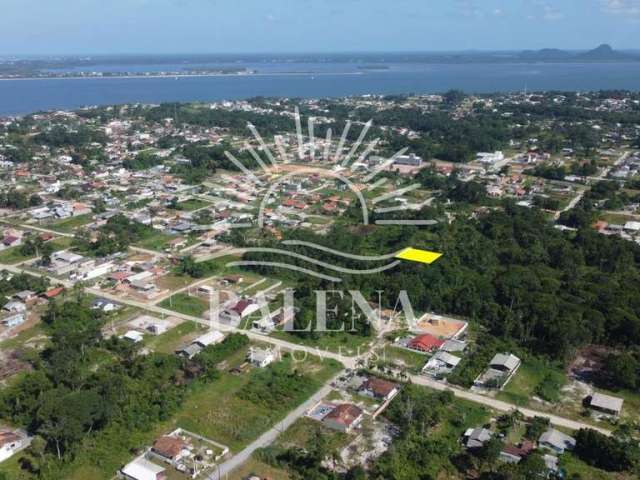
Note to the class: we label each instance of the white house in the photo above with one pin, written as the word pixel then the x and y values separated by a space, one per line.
pixel 142 469
pixel 10 443
pixel 13 320
pixel 134 336
pixel 210 338
pixel 261 357
pixel 240 310
pixel 556 441
pixel 15 306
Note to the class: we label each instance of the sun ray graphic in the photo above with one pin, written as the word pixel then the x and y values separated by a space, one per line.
pixel 274 170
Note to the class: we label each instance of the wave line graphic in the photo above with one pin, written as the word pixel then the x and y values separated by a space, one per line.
pixel 319 263
pixel 339 253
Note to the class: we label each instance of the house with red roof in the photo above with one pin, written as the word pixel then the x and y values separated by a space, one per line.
pixel 344 418
pixel 242 309
pixel 54 292
pixel 425 343
pixel 379 388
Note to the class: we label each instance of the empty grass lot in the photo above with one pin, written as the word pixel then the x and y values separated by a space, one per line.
pixel 186 304
pixel 69 225
pixel 213 409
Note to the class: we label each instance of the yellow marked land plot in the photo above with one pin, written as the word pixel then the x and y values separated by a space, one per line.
pixel 417 255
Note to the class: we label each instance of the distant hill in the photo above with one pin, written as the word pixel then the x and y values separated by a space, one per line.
pixel 605 52
pixel 545 54
pixel 602 53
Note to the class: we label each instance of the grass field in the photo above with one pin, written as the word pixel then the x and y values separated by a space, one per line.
pixel 193 204
pixel 522 387
pixel 411 360
pixel 12 255
pixel 574 466
pixel 213 410
pixel 155 241
pixel 173 339
pixel 69 225
pixel 338 342
pixel 186 304
pixel 304 430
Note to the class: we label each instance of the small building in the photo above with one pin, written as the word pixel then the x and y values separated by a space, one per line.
pixel 606 404
pixel 15 306
pixel 556 441
pixel 25 296
pixel 632 227
pixel 379 388
pixel 13 320
pixel 10 443
pixel 425 343
pixel 134 336
pixel 452 345
pixel 210 338
pixel 104 305
pixel 344 418
pixel 442 363
pixel 476 437
pixel 242 309
pixel 171 449
pixel 261 357
pixel 157 328
pixel 142 469
pixel 189 351
pixel 515 453
pixel 52 293
pixel 505 362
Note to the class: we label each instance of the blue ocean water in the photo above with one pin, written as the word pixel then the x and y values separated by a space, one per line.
pixel 311 80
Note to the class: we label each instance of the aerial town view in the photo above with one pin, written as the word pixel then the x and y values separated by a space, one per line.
pixel 357 264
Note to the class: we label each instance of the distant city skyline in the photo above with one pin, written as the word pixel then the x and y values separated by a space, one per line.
pixel 91 27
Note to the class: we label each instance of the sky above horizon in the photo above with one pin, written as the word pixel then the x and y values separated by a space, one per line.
pixel 238 26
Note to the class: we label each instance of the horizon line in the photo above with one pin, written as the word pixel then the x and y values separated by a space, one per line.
pixel 314 52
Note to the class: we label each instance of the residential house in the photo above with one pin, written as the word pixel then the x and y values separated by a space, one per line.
pixel 104 305
pixel 379 389
pixel 10 443
pixel 501 368
pixel 242 309
pixel 476 437
pixel 134 336
pixel 189 351
pixel 170 449
pixel 210 338
pixel 556 441
pixel 505 362
pixel 25 296
pixel 261 357
pixel 515 453
pixel 452 346
pixel 13 320
pixel 606 404
pixel 142 469
pixel 15 306
pixel 442 363
pixel 52 293
pixel 344 418
pixel 425 343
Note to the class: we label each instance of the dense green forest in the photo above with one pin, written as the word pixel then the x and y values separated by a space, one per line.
pixel 510 271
